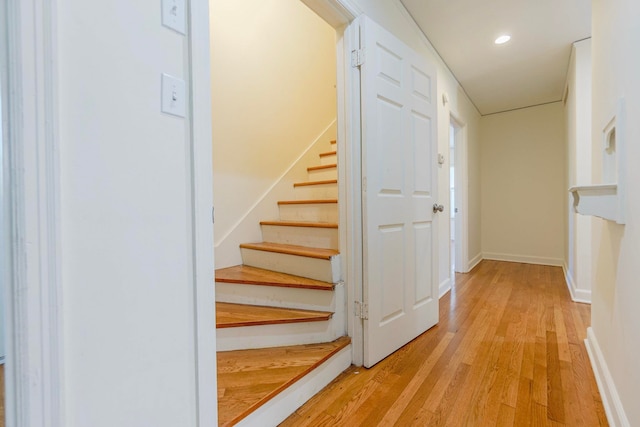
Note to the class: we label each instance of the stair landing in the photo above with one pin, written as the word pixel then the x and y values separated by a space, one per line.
pixel 247 379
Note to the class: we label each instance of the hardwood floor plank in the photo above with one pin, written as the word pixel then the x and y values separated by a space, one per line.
pixel 555 396
pixel 507 351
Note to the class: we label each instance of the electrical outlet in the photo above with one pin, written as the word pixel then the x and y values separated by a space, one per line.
pixel 173 15
pixel 173 95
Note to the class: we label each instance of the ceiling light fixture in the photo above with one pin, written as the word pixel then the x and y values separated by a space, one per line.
pixel 502 39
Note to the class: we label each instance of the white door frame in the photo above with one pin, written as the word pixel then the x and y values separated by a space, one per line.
pixel 31 221
pixel 461 194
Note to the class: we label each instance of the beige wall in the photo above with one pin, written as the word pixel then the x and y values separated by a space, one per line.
pixel 615 306
pixel 273 84
pixel 523 184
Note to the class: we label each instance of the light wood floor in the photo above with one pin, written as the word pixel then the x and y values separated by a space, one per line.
pixel 508 351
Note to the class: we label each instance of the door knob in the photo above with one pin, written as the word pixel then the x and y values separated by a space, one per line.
pixel 437 208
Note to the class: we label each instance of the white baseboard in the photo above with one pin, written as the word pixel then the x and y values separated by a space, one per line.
pixel 525 259
pixel 445 286
pixel 473 262
pixel 577 295
pixel 610 398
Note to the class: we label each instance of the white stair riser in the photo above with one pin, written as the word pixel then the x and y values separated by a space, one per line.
pixel 321 191
pixel 322 174
pixel 265 336
pixel 315 237
pixel 284 404
pixel 329 160
pixel 313 268
pixel 318 212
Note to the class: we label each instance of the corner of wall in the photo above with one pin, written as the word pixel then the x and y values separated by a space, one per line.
pixel 577 295
pixel 610 398
pixel 473 262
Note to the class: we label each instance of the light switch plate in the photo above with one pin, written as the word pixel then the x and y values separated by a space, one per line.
pixel 173 15
pixel 173 95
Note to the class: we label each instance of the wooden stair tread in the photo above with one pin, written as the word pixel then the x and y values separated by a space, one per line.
pixel 328 153
pixel 308 183
pixel 316 168
pixel 247 379
pixel 281 248
pixel 307 202
pixel 230 315
pixel 301 224
pixel 246 275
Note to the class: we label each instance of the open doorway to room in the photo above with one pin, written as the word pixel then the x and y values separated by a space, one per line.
pixel 276 143
pixel 457 174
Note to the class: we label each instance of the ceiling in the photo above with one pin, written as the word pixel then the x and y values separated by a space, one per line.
pixel 528 70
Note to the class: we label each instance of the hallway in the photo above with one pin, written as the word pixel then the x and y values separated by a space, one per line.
pixel 508 351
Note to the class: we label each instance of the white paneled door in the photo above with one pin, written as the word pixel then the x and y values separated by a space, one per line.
pixel 399 184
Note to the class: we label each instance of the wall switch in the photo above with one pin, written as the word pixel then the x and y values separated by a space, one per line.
pixel 173 15
pixel 173 95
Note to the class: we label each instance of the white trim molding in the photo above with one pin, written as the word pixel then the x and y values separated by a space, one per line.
pixel 577 295
pixel 473 262
pixel 610 398
pixel 444 287
pixel 203 292
pixel 31 219
pixel 525 259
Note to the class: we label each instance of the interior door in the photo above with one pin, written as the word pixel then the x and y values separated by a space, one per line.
pixel 399 184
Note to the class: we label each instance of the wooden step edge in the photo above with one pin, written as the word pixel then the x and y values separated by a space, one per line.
pixel 304 251
pixel 321 167
pixel 328 153
pixel 308 183
pixel 307 202
pixel 300 224
pixel 269 315
pixel 341 342
pixel 246 275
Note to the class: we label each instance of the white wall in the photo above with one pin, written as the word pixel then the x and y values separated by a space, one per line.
pixel 578 262
pixel 126 220
pixel 523 185
pixel 615 310
pixel 273 85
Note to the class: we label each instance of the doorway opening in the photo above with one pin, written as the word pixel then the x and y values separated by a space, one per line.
pixel 457 188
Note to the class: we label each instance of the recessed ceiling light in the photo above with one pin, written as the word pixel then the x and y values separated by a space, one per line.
pixel 502 39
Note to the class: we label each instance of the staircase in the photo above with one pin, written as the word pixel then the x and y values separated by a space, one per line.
pixel 281 315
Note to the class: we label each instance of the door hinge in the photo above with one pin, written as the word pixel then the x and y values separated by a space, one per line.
pixel 357 58
pixel 361 310
pixel 213 215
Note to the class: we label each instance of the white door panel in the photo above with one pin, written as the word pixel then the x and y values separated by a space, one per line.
pixel 399 146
